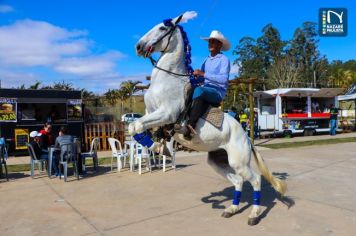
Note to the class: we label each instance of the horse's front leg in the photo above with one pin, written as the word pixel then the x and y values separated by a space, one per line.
pixel 155 119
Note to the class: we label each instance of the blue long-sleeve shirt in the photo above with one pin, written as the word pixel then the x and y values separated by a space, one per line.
pixel 217 70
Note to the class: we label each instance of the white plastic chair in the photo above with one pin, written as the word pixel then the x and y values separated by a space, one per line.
pixel 93 153
pixel 172 150
pixel 143 153
pixel 117 153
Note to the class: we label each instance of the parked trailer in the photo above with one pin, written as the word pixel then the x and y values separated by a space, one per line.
pixel 295 110
pixel 25 110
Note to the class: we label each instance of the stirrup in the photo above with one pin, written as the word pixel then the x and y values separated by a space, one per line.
pixel 180 129
pixel 192 130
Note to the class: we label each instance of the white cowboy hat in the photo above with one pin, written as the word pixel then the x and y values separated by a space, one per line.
pixel 35 134
pixel 219 36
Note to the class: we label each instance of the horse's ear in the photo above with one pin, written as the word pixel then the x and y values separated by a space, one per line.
pixel 178 19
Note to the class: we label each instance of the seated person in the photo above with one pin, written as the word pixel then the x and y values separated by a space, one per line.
pixel 35 143
pixel 65 138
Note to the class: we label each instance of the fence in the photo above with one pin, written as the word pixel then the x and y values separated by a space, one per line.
pixel 103 130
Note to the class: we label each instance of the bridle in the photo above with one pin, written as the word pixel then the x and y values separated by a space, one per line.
pixel 173 27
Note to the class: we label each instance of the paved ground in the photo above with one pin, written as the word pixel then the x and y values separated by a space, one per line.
pixel 188 201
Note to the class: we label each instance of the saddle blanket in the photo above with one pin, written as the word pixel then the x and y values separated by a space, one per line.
pixel 214 116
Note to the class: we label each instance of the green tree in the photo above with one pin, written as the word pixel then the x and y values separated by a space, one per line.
pixel 87 94
pixel 284 73
pixel 342 78
pixel 65 86
pixel 271 45
pixel 304 48
pixel 111 96
pixel 36 85
pixel 130 87
pixel 249 58
pixel 123 95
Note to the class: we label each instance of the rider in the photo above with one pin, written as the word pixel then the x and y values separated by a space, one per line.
pixel 215 70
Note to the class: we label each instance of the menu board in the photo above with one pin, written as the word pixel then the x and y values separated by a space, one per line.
pixel 21 138
pixel 8 109
pixel 74 110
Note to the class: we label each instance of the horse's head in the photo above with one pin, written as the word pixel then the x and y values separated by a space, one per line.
pixel 159 37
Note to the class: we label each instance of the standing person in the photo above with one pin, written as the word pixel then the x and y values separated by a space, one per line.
pixel 47 136
pixel 333 119
pixel 243 119
pixel 215 74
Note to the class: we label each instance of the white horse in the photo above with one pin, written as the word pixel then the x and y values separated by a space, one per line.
pixel 165 101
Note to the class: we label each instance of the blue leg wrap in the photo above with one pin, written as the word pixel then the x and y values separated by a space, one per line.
pixel 236 199
pixel 144 139
pixel 256 197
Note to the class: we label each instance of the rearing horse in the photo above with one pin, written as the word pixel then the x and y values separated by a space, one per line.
pixel 165 101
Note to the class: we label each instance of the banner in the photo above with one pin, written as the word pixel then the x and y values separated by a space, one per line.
pixel 8 110
pixel 21 138
pixel 74 110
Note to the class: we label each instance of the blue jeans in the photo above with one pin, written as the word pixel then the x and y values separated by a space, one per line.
pixel 209 95
pixel 333 126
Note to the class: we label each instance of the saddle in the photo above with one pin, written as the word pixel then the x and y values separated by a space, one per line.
pixel 213 115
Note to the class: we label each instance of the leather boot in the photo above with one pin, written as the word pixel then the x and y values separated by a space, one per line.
pixel 199 107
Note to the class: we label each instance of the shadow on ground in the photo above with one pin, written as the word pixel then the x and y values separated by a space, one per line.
pixel 268 196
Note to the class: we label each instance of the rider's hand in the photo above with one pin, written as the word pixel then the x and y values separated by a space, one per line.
pixel 198 73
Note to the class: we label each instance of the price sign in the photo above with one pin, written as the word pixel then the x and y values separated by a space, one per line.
pixel 8 109
pixel 74 110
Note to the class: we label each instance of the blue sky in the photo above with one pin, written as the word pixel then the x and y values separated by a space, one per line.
pixel 90 43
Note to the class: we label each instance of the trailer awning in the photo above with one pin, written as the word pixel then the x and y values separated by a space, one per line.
pixel 328 92
pixel 262 94
pixel 300 92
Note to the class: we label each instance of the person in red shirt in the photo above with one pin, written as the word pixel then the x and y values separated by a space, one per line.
pixel 47 138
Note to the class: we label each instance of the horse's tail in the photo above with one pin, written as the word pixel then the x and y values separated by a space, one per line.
pixel 277 184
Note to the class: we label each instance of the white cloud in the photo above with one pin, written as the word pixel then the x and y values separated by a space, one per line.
pixel 90 65
pixel 8 78
pixel 6 8
pixel 37 43
pixel 69 54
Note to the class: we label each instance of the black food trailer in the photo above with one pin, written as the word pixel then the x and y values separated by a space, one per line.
pixel 26 110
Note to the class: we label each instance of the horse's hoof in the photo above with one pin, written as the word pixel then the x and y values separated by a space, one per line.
pixel 226 214
pixel 253 221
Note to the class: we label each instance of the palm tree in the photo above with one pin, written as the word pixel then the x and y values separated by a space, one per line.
pixel 123 95
pixel 111 96
pixel 130 87
pixel 87 94
pixel 35 85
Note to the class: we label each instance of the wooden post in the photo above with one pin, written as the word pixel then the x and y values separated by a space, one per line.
pixel 250 83
pixel 252 112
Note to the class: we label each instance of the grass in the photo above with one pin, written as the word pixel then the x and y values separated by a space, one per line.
pixel 309 143
pixel 26 167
